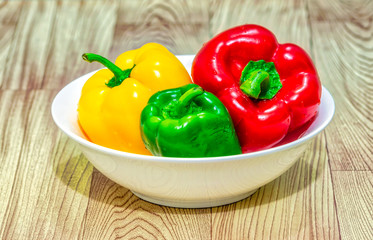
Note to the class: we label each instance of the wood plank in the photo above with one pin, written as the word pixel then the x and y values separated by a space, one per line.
pixel 353 11
pixel 353 193
pixel 79 27
pixel 12 129
pixel 182 27
pixel 297 205
pixel 49 39
pixel 344 59
pixel 26 63
pixel 9 16
pixel 114 212
pixel 288 20
pixel 342 32
pixel 45 179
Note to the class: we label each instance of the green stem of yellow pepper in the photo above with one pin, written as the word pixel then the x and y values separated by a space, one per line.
pixel 119 74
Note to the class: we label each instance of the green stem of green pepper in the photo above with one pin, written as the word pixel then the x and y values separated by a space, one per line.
pixel 186 98
pixel 119 74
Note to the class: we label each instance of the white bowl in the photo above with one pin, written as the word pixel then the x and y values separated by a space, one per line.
pixel 186 182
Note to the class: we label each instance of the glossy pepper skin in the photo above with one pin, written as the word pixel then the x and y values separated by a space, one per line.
pixel 259 123
pixel 112 100
pixel 188 122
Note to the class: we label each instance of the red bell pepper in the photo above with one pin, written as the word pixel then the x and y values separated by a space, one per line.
pixel 269 89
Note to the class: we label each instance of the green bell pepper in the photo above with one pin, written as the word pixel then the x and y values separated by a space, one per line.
pixel 188 122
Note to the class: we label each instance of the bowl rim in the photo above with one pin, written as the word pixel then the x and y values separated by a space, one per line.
pixel 326 99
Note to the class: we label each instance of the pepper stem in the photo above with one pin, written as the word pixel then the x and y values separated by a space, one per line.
pixel 119 74
pixel 256 83
pixel 260 80
pixel 186 99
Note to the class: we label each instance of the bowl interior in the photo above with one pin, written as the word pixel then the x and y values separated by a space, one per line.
pixel 64 113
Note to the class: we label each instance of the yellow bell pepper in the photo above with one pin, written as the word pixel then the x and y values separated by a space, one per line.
pixel 112 99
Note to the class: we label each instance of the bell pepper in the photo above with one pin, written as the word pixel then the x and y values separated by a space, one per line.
pixel 269 89
pixel 112 99
pixel 188 122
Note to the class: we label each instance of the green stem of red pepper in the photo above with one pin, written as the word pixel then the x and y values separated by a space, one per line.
pixel 260 80
pixel 119 74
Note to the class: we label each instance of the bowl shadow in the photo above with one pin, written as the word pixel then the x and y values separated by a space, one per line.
pixel 76 172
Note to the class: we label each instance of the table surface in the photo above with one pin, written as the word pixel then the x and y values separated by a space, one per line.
pixel 48 188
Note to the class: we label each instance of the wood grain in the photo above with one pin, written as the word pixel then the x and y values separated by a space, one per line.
pixel 115 211
pixel 288 20
pixel 9 14
pixel 44 181
pixel 181 26
pixel 344 63
pixel 49 39
pixel 297 205
pixel 48 188
pixel 354 203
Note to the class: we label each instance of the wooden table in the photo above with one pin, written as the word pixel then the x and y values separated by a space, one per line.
pixel 50 191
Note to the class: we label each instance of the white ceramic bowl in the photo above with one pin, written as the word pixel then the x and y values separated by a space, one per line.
pixel 186 182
